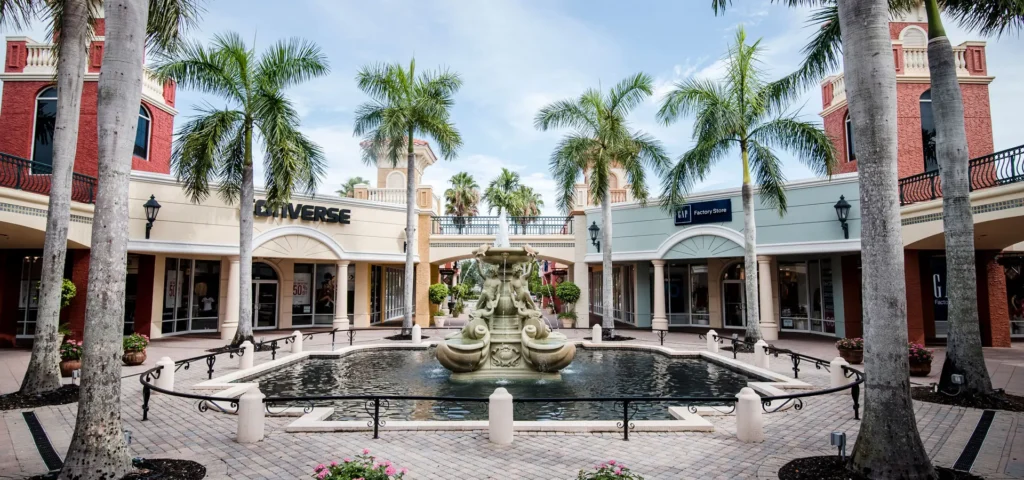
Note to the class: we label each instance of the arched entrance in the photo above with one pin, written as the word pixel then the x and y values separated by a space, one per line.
pixel 734 296
pixel 264 296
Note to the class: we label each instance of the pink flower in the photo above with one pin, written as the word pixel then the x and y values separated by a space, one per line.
pixel 404 470
pixel 322 474
pixel 618 471
pixel 366 451
pixel 611 462
pixel 334 464
pixel 347 460
pixel 319 467
pixel 390 471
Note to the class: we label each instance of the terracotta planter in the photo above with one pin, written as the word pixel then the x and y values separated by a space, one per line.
pixel 567 322
pixel 132 359
pixel 920 369
pixel 68 366
pixel 852 356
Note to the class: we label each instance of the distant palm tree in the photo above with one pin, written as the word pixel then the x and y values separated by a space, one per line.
pixel 219 144
pixel 348 189
pixel 743 111
pixel 601 140
pixel 462 199
pixel 401 107
pixel 528 202
pixel 501 193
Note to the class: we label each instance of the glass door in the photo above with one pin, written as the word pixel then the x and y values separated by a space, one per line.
pixel 264 308
pixel 734 309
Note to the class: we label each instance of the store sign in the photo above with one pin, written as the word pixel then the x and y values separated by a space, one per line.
pixel 309 213
pixel 714 211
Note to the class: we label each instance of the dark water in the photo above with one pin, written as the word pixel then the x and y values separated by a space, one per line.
pixel 593 373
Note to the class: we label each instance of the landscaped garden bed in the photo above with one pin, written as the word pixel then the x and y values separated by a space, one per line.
pixel 997 401
pixel 831 467
pixel 63 395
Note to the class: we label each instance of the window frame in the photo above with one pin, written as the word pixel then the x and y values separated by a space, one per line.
pixel 851 150
pixel 149 131
pixel 35 121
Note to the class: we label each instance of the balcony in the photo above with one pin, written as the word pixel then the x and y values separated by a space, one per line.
pixel 999 168
pixel 425 197
pixel 21 174
pixel 450 225
pixel 618 195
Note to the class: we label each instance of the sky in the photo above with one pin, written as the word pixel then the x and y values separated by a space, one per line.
pixel 516 56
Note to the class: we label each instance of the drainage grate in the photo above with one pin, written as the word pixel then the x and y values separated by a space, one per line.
pixel 973 447
pixel 50 457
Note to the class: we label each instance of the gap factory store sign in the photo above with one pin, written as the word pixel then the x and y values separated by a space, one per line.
pixel 715 211
pixel 309 213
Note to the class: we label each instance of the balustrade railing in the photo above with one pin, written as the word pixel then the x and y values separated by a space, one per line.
pixel 40 58
pixel 451 225
pixel 386 195
pixel 999 168
pixel 22 174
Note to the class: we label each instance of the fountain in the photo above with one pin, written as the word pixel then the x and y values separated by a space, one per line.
pixel 506 336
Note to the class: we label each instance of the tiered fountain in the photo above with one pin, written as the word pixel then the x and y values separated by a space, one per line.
pixel 506 336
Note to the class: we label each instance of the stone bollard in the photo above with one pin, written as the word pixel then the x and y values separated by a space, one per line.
pixel 166 380
pixel 248 357
pixel 499 417
pixel 712 342
pixel 251 416
pixel 596 334
pixel 749 423
pixel 835 369
pixel 296 342
pixel 417 335
pixel 760 356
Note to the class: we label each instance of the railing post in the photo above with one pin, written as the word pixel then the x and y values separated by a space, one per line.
pixel 625 420
pixel 931 180
pixel 712 340
pixel 296 342
pixel 210 360
pixel 417 335
pixel 246 356
pixel 836 372
pixel 596 334
pixel 735 345
pixel 251 416
pixel 855 392
pixel 145 402
pixel 376 418
pixel 351 336
pixel 761 354
pixel 796 364
pixel 500 417
pixel 749 423
pixel 166 378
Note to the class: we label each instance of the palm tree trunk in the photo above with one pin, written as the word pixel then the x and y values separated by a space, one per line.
pixel 750 285
pixel 963 350
pixel 410 234
pixel 42 374
pixel 98 443
pixel 888 445
pixel 607 270
pixel 246 198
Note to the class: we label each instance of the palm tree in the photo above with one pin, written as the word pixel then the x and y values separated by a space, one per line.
pixel 401 107
pixel 462 199
pixel 348 189
pixel 529 202
pixel 601 140
pixel 746 112
pixel 501 193
pixel 218 144
pixel 98 443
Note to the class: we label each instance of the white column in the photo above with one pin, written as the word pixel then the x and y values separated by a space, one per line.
pixel 837 374
pixel 230 324
pixel 499 417
pixel 296 342
pixel 341 298
pixel 251 416
pixel 166 378
pixel 749 423
pixel 760 356
pixel 769 324
pixel 659 321
pixel 247 357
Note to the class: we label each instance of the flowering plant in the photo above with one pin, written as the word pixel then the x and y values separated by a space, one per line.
pixel 135 342
pixel 610 470
pixel 850 344
pixel 71 350
pixel 363 467
pixel 919 354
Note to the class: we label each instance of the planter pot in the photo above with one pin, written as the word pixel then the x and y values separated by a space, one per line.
pixel 920 369
pixel 439 320
pixel 567 322
pixel 68 366
pixel 132 359
pixel 852 356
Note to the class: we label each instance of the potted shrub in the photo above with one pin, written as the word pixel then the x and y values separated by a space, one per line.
pixel 134 349
pixel 851 349
pixel 437 294
pixel 568 293
pixel 920 360
pixel 70 357
pixel 568 319
pixel 608 471
pixel 439 318
pixel 363 467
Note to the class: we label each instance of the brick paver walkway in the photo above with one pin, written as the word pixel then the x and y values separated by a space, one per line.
pixel 177 429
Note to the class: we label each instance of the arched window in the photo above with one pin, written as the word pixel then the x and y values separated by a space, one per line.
pixel 851 154
pixel 142 134
pixel 931 160
pixel 45 124
pixel 395 180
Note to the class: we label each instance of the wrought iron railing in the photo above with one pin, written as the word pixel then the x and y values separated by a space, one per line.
pixel 999 168
pixel 22 174
pixel 451 225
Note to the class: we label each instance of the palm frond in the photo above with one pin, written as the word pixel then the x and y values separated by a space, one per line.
pixel 168 22
pixel 629 93
pixel 574 114
pixel 568 162
pixel 770 179
pixel 195 66
pixel 692 167
pixel 987 17
pixel 200 149
pixel 18 14
pixel 289 62
pixel 811 145
pixel 689 97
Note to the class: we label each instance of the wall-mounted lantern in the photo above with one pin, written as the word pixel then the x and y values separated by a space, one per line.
pixel 594 230
pixel 843 211
pixel 152 209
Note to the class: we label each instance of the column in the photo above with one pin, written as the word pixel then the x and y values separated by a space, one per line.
pixel 660 321
pixel 361 310
pixel 583 304
pixel 769 324
pixel 341 297
pixel 230 324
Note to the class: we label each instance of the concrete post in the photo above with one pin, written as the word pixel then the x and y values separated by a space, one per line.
pixel 166 380
pixel 230 325
pixel 499 417
pixel 749 423
pixel 760 356
pixel 596 333
pixel 248 357
pixel 251 416
pixel 835 369
pixel 296 342
pixel 712 342
pixel 341 298
pixel 659 321
pixel 769 325
pixel 417 334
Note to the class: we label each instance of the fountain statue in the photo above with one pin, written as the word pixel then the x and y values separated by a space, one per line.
pixel 506 335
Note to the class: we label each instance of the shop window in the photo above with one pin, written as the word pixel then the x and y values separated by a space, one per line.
pixel 931 159
pixel 191 296
pixel 806 301
pixel 376 290
pixel 142 134
pixel 624 293
pixel 45 124
pixel 28 297
pixel 686 294
pixel 394 294
pixel 314 294
pixel 734 296
pixel 1013 265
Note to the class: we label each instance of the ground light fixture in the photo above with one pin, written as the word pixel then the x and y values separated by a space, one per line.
pixel 838 440
pixel 594 230
pixel 152 209
pixel 843 211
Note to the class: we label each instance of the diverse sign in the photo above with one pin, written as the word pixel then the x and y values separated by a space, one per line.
pixel 309 213
pixel 714 211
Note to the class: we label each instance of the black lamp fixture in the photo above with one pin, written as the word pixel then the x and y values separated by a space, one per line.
pixel 843 211
pixel 152 208
pixel 594 230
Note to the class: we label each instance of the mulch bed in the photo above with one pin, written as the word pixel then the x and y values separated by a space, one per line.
pixel 63 395
pixel 997 401
pixel 155 469
pixel 831 467
pixel 617 338
pixel 404 337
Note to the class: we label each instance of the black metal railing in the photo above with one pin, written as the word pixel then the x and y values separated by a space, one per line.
pixel 21 174
pixel 205 402
pixel 999 168
pixel 489 225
